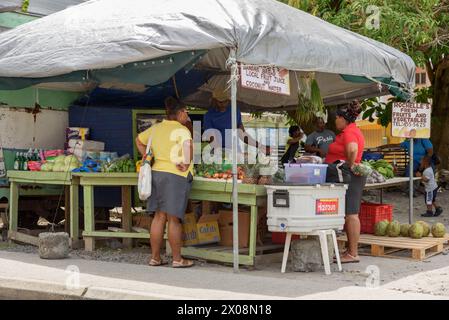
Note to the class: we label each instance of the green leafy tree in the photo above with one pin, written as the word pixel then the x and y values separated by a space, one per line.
pixel 419 28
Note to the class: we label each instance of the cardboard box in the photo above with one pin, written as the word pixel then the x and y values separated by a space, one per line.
pixel 225 222
pixel 86 145
pixel 189 230
pixel 142 221
pixel 208 230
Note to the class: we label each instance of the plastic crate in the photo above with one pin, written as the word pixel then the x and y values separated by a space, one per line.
pixel 280 237
pixel 305 173
pixel 371 213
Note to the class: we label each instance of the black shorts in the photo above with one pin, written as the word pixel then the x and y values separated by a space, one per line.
pixel 430 196
pixel 354 193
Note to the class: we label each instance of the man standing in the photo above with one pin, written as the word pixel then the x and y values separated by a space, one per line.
pixel 219 117
pixel 318 142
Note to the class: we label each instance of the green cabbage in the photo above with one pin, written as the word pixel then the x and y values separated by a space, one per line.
pixel 71 160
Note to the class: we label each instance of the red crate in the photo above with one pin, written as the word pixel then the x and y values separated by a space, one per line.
pixel 371 213
pixel 279 237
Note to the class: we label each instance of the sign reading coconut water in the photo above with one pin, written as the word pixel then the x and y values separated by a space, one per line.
pixel 326 206
pixel 267 78
pixel 411 120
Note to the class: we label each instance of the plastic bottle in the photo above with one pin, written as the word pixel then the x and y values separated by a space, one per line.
pixel 25 162
pixel 17 164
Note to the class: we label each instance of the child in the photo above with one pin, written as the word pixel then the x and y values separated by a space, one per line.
pixel 292 144
pixel 431 187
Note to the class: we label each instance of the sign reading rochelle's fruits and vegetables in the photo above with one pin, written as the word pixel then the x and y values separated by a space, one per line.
pixel 411 120
pixel 265 78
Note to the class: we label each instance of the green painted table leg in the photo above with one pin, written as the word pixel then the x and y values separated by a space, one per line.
pixel 67 209
pixel 13 206
pixel 253 233
pixel 74 214
pixel 89 216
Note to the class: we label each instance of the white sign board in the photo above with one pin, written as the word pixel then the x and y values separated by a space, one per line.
pixel 268 78
pixel 411 120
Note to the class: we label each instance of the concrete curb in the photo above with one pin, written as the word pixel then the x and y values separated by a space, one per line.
pixel 24 289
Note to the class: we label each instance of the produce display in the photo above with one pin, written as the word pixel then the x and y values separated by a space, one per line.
pixel 122 164
pixel 438 230
pixel 362 169
pixel 426 228
pixel 405 229
pixel 60 164
pixel 418 230
pixel 217 171
pixel 381 166
pixel 380 228
pixel 375 177
pixel 393 229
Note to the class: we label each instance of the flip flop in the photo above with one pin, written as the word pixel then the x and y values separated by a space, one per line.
pixel 353 259
pixel 342 254
pixel 182 264
pixel 156 263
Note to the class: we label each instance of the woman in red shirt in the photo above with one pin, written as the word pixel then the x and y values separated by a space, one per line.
pixel 348 147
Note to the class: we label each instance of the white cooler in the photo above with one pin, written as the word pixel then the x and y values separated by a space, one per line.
pixel 305 208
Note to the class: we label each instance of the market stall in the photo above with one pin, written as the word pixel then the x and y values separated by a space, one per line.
pixel 71 203
pixel 139 50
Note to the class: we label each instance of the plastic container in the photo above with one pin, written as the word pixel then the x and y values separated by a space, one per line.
pixel 305 173
pixel 305 208
pixel 371 213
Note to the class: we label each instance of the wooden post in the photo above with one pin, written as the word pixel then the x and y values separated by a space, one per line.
pixel 127 219
pixel 74 215
pixel 89 216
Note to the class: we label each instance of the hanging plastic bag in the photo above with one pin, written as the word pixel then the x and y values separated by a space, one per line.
pixel 144 186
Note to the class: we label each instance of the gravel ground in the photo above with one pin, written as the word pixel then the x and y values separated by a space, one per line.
pixel 400 202
pixel 110 250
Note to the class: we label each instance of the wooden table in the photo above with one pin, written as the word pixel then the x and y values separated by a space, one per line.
pixel 88 181
pixel 389 183
pixel 202 189
pixel 219 191
pixel 17 178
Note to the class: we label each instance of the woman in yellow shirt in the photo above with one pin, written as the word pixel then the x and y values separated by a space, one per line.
pixel 172 176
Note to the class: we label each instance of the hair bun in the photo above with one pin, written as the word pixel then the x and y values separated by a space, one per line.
pixel 354 108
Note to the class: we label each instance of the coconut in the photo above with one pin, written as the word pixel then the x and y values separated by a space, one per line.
pixel 426 228
pixel 438 230
pixel 380 228
pixel 404 229
pixel 393 229
pixel 416 231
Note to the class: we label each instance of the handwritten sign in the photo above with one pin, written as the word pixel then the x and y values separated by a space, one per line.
pixel 411 120
pixel 269 79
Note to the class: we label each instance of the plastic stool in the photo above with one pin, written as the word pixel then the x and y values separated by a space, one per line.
pixel 322 234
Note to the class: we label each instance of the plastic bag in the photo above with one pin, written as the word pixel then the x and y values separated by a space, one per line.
pixel 144 185
pixel 309 159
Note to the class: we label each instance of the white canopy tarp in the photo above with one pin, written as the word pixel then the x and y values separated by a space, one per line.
pixel 103 34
